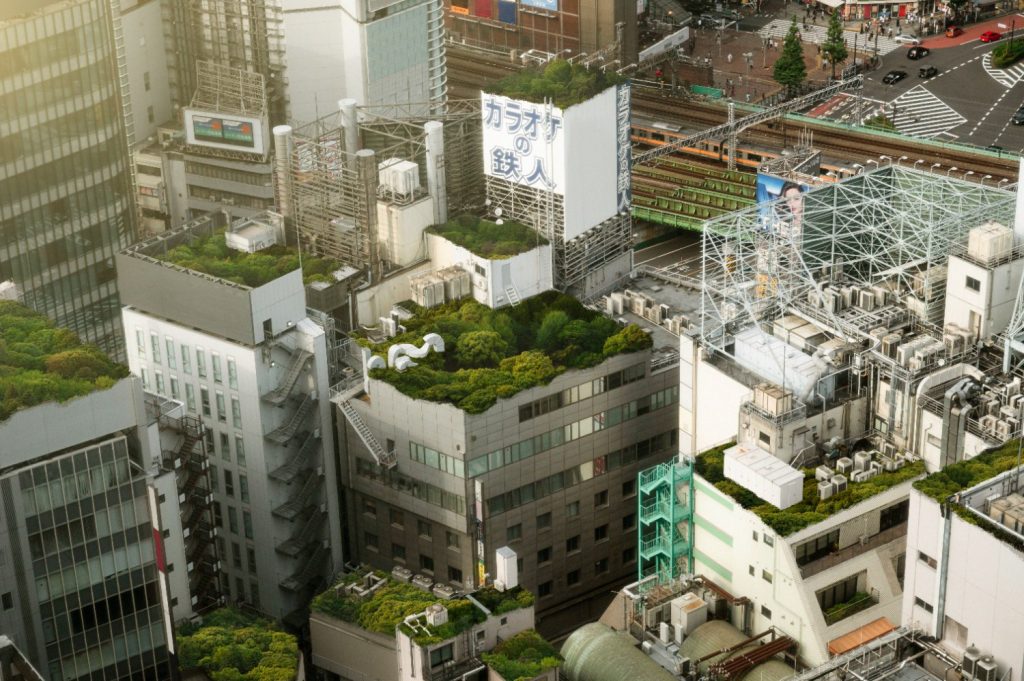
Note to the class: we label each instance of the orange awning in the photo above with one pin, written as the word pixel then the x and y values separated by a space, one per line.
pixel 858 637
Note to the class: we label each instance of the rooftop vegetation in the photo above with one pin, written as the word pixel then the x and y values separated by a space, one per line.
pixel 964 475
pixel 489 239
pixel 809 511
pixel 211 255
pixel 42 363
pixel 522 657
pixel 233 646
pixel 389 605
pixel 564 83
pixel 496 353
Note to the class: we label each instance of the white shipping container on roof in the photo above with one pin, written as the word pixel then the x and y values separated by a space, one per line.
pixel 769 478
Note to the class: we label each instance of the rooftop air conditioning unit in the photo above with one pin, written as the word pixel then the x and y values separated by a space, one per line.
pixel 859 476
pixel 825 489
pixel 822 473
pixel 861 460
pixel 402 574
pixel 1003 430
pixel 838 483
pixel 443 591
pixel 437 614
pixel 970 661
pixel 866 300
pixel 986 669
pixel 844 465
pixel 988 423
pixel 423 582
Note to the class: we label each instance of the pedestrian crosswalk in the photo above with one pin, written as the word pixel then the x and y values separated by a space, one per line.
pixel 1006 77
pixel 778 29
pixel 920 113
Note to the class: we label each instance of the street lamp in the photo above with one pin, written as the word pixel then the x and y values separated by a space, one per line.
pixel 901 159
pixel 871 160
pixel 1005 179
pixel 858 166
pixel 934 166
pixel 985 177
pixel 920 160
pixel 951 170
pixel 969 172
pixel 887 158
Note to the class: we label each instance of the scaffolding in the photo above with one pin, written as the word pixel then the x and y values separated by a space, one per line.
pixel 880 228
pixel 665 510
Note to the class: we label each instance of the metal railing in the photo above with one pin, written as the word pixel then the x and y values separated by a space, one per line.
pixel 859 602
pixel 845 554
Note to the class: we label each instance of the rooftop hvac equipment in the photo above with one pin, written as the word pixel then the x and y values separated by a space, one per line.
pixel 881 295
pixel 875 468
pixel 988 423
pixel 437 615
pixel 825 489
pixel 1003 430
pixel 614 303
pixel 953 343
pixel 890 342
pixel 423 582
pixel 859 476
pixel 989 241
pixel 688 612
pixel 986 669
pixel 507 571
pixel 861 460
pixel 822 473
pixel 847 293
pixel 970 661
pixel 844 465
pixel 399 177
pixel 838 483
pixel 457 283
pixel 402 574
pixel 769 478
pixel 772 399
pixel 866 300
pixel 428 290
pixel 443 591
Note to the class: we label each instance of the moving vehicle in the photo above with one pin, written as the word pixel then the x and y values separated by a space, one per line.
pixel 907 39
pixel 990 36
pixel 894 77
pixel 953 31
pixel 927 72
pixel 918 52
pixel 1018 116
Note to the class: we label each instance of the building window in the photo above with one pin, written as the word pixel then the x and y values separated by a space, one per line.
pixel 232 374
pixel 229 483
pixel 175 388
pixel 766 613
pixel 927 560
pixel 765 438
pixel 924 605
pixel 236 555
pixel 398 552
pixel 816 548
pixel 544 555
pixel 751 571
pixel 839 593
pixel 439 656
pixel 204 398
pixel 544 588
pixel 225 447
pixel 240 450
pixel 894 515
pixel 159 382
pixel 601 566
pixel 370 507
pixel 424 529
pixel 172 359
pixel 753 535
pixel 222 410
pixel 452 540
pixel 629 521
pixel 236 412
pixel 396 517
pixel 232 519
pixel 250 554
pixel 601 499
pixel 544 521
pixel 454 575
pixel 150 114
pixel 213 478
pixel 190 397
pixel 973 284
pixel 766 576
pixel 572 544
pixel 254 594
pixel 601 533
pixel 426 563
pixel 629 489
pixel 514 532
pixel 572 578
pixel 140 343
pixel 243 488
pixel 145 81
pixel 154 344
pixel 628 555
pixel 186 359
pixel 200 362
pixel 7 601
pixel 218 377
pixel 370 540
pixel 247 524
pixel 145 378
pixel 768 540
pixel 572 509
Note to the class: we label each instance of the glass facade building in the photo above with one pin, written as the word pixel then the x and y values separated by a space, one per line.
pixel 65 174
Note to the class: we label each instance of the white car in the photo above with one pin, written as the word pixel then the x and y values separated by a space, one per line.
pixel 907 39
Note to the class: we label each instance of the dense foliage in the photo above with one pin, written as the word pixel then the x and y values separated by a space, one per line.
pixel 1007 53
pixel 500 602
pixel 41 363
pixel 496 353
pixel 489 239
pixel 880 122
pixel 211 255
pixel 809 511
pixel 522 657
pixel 790 70
pixel 564 83
pixel 834 47
pixel 233 646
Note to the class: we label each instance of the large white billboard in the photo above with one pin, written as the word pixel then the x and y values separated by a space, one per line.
pixel 221 131
pixel 582 153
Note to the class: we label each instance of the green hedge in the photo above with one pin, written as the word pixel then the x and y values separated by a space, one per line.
pixel 233 646
pixel 564 83
pixel 211 255
pixel 522 657
pixel 1007 53
pixel 489 239
pixel 811 510
pixel 42 363
pixel 497 353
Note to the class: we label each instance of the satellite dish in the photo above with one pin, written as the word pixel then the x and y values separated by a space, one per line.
pixel 498 211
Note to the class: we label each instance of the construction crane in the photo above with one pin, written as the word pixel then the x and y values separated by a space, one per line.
pixel 733 127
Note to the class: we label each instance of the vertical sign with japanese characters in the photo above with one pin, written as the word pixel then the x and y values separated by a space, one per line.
pixel 523 142
pixel 624 150
pixel 478 513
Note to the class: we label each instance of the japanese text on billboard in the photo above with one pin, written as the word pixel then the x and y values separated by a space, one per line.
pixel 519 139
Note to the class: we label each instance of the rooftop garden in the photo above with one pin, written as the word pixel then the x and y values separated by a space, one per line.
pixel 497 353
pixel 964 475
pixel 42 363
pixel 522 657
pixel 564 83
pixel 391 604
pixel 211 255
pixel 809 511
pixel 489 239
pixel 233 646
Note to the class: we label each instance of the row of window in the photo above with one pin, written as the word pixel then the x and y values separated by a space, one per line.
pixel 583 391
pixel 92 471
pixel 157 357
pixel 218 520
pixel 230 174
pixel 94 570
pixel 572 431
pixel 403 483
pixel 573 476
pixel 229 484
pixel 435 459
pixel 574 577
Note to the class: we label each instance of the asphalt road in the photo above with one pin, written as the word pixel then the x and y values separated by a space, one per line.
pixel 968 101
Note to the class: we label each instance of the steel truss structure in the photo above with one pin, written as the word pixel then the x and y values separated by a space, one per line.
pixel 880 228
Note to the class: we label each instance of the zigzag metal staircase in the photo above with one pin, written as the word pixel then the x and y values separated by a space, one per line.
pixel 297 461
pixel 278 395
pixel 383 458
pixel 284 433
pixel 310 531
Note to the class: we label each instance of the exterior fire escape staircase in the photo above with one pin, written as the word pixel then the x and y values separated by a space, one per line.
pixel 306 534
pixel 308 495
pixel 298 461
pixel 387 459
pixel 284 433
pixel 278 395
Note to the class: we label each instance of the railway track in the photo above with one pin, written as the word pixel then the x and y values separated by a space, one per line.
pixel 469 70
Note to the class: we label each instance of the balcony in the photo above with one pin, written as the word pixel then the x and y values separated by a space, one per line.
pixel 659 509
pixel 307 534
pixel 308 495
pixel 843 555
pixel 278 395
pixel 840 611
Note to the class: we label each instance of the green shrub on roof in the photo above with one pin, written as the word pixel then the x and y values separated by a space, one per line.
pixel 42 363
pixel 234 646
pixel 488 239
pixel 563 83
pixel 491 354
pixel 522 657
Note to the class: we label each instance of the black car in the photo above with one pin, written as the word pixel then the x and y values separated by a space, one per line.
pixel 917 52
pixel 927 72
pixel 894 77
pixel 1018 116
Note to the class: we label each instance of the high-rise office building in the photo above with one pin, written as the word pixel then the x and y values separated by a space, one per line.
pixel 65 176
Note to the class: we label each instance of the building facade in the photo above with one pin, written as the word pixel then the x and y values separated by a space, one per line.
pixel 83 594
pixel 66 185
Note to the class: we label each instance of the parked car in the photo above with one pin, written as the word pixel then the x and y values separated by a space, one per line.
pixel 894 77
pixel 917 52
pixel 990 36
pixel 907 39
pixel 1018 116
pixel 927 72
pixel 953 31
